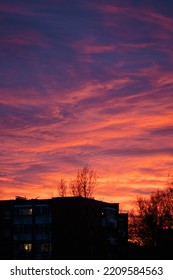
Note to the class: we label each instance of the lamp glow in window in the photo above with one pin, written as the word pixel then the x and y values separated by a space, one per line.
pixel 28 247
pixel 26 211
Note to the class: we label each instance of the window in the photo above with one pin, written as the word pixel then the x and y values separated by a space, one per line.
pixel 42 210
pixel 23 220
pixel 44 247
pixel 26 211
pixel 27 247
pixel 23 210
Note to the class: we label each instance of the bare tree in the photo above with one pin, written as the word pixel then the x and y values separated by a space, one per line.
pixel 62 188
pixel 85 182
pixel 73 188
pixel 154 214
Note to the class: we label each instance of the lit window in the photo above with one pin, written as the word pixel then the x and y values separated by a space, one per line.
pixel 28 247
pixel 26 211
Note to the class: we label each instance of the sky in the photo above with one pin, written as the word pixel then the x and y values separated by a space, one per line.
pixel 86 83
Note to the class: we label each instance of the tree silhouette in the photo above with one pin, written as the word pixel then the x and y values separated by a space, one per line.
pixel 153 215
pixel 85 182
pixel 62 188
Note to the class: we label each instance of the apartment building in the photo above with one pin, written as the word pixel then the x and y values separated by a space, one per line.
pixel 61 228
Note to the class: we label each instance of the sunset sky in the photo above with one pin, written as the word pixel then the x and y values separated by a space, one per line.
pixel 86 83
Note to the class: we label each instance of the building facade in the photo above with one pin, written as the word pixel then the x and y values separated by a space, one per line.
pixel 61 228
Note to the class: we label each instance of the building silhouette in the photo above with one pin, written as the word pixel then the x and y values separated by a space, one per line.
pixel 62 228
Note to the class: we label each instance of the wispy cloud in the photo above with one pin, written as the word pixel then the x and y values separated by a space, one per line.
pixel 85 83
